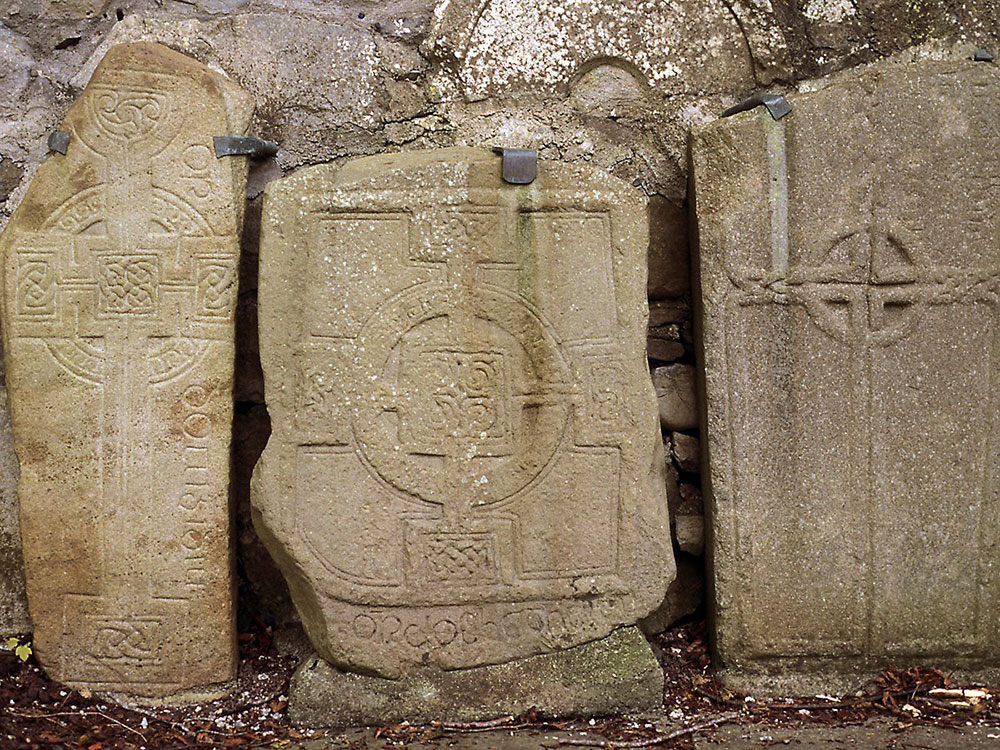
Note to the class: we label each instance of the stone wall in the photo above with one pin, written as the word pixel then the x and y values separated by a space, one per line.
pixel 615 84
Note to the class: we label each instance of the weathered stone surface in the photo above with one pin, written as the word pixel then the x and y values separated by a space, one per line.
pixel 13 602
pixel 675 392
pixel 119 290
pixel 500 45
pixel 849 287
pixel 73 8
pixel 610 118
pixel 687 451
pixel 465 466
pixel 615 675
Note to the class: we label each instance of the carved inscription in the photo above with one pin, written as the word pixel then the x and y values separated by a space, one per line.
pixel 197 499
pixel 478 627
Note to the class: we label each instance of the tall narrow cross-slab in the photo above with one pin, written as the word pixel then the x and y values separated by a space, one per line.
pixel 850 277
pixel 465 466
pixel 118 297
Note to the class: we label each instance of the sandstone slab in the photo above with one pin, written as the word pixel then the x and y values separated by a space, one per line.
pixel 616 675
pixel 848 294
pixel 118 296
pixel 13 601
pixel 465 466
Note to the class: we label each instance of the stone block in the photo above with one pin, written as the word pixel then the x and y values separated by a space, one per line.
pixel 676 394
pixel 665 312
pixel 465 467
pixel 616 675
pixel 687 451
pixel 663 342
pixel 119 286
pixel 689 530
pixel 663 349
pixel 849 294
pixel 689 520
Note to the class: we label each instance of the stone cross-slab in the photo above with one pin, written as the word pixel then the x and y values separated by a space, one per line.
pixel 118 301
pixel 850 271
pixel 465 466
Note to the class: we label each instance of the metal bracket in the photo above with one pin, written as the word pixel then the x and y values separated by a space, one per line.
pixel 59 141
pixel 243 145
pixel 982 55
pixel 520 165
pixel 775 103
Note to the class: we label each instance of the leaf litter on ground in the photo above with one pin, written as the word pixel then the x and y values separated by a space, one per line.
pixel 38 712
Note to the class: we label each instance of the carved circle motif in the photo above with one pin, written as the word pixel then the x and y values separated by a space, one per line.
pixel 459 400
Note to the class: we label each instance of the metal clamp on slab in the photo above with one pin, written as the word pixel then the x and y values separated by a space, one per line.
pixel 243 145
pixel 520 165
pixel 59 141
pixel 775 103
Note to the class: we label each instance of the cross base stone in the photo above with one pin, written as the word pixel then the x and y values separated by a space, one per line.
pixel 615 675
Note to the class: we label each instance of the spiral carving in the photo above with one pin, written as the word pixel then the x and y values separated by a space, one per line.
pixel 128 114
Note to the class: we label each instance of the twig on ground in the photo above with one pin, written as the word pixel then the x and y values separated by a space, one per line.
pixel 501 722
pixel 717 699
pixel 150 715
pixel 653 741
pixel 805 706
pixel 41 715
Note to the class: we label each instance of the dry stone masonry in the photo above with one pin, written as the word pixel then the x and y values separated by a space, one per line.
pixel 849 288
pixel 118 295
pixel 465 467
pixel 498 46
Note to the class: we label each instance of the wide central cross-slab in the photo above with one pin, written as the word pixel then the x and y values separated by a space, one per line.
pixel 462 419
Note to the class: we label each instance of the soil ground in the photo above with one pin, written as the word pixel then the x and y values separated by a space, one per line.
pixel 913 708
